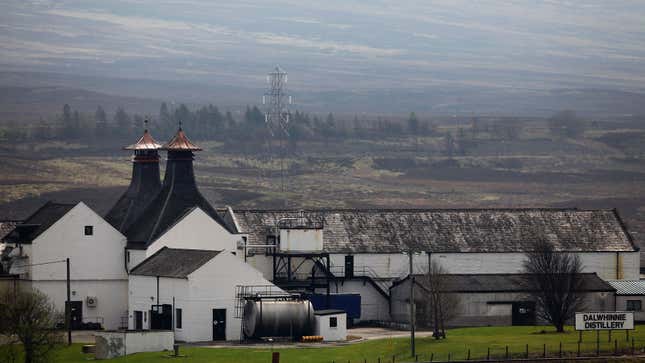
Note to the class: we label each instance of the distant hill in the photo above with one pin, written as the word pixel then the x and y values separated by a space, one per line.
pixel 31 95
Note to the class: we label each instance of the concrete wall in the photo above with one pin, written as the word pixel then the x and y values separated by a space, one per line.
pixel 112 344
pixel 621 305
pixel 331 334
pixel 112 299
pixel 197 230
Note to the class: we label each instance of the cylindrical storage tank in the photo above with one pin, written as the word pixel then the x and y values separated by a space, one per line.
pixel 278 318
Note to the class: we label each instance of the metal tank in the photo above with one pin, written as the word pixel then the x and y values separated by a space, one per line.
pixel 271 318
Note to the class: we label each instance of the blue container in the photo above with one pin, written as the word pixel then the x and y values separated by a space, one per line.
pixel 350 303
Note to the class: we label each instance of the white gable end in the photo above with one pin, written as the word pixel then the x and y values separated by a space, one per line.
pixel 196 230
pixel 95 254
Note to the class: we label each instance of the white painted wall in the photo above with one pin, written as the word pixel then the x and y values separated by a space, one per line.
pixel 97 264
pixel 210 287
pixel 213 287
pixel 621 305
pixel 111 297
pixel 197 230
pixel 136 256
pixel 302 240
pixel 397 265
pixel 97 257
pixel 331 334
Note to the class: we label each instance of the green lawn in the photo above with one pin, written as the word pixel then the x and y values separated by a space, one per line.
pixel 478 340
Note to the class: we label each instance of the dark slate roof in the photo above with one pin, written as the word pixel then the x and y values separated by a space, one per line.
pixel 329 312
pixel 452 230
pixel 6 227
pixel 489 283
pixel 629 287
pixel 173 262
pixel 38 222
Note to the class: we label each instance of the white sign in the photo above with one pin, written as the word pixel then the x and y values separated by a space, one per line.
pixel 605 320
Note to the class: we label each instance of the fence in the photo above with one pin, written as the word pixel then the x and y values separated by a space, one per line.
pixel 591 348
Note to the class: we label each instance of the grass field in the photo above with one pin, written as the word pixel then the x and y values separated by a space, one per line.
pixel 459 341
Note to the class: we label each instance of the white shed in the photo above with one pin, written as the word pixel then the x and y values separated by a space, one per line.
pixel 331 325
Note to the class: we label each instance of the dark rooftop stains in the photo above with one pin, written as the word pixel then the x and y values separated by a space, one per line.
pixel 38 222
pixel 173 262
pixel 452 230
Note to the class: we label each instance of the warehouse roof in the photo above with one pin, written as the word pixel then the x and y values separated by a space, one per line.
pixel 38 222
pixel 628 287
pixel 6 227
pixel 452 230
pixel 488 283
pixel 173 262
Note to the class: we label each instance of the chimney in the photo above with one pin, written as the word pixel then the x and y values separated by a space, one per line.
pixel 144 184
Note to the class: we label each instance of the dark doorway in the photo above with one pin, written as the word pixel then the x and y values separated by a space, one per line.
pixel 138 320
pixel 76 313
pixel 161 317
pixel 219 324
pixel 523 313
pixel 349 266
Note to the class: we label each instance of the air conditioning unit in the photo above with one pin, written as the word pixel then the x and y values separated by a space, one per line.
pixel 91 301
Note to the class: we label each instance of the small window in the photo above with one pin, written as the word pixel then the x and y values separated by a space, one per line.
pixel 333 322
pixel 178 318
pixel 89 230
pixel 634 305
pixel 128 256
pixel 145 316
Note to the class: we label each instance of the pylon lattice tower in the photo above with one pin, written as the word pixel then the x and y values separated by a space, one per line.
pixel 276 113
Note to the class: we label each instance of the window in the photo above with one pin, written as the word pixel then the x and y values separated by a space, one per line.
pixel 89 230
pixel 178 319
pixel 128 255
pixel 333 322
pixel 634 305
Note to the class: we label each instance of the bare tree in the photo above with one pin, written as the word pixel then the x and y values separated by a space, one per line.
pixel 441 304
pixel 28 318
pixel 553 280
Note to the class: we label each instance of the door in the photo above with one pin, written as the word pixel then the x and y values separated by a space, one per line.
pixel 349 266
pixel 76 312
pixel 219 324
pixel 523 313
pixel 161 317
pixel 138 320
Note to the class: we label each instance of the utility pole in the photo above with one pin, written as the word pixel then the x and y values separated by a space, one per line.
pixel 412 306
pixel 68 310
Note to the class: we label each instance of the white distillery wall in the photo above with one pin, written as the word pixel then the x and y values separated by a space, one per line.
pixel 212 286
pixel 260 262
pixel 100 256
pixel 608 265
pixel 605 264
pixel 197 230
pixel 134 257
pixel 111 295
pixel 384 265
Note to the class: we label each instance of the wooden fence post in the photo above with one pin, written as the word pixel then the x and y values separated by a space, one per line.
pixel 616 347
pixel 526 354
pixel 431 357
pixel 578 354
pixel 507 352
pixel 544 351
pixel 560 351
pixel 597 343
pixel 488 354
pixel 468 358
pixel 632 346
